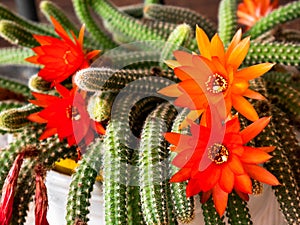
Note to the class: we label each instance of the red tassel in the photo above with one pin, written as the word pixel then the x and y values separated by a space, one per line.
pixel 8 191
pixel 41 199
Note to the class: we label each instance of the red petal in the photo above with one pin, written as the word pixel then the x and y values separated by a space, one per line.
pixel 243 183
pixel 254 129
pixel 226 181
pixel 193 187
pixel 235 165
pixel 254 155
pixel 182 175
pixel 261 174
pixel 220 198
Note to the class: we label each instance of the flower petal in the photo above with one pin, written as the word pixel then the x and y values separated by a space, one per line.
pixel 235 165
pixel 244 107
pixel 220 198
pixel 252 72
pixel 203 43
pixel 243 183
pixel 226 181
pixel 253 94
pixel 258 173
pixel 253 155
pixel 182 175
pixel 171 91
pixel 254 129
pixel 239 53
pixel 183 58
pixel 193 187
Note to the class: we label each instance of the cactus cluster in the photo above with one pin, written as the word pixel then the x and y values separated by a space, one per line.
pixel 122 87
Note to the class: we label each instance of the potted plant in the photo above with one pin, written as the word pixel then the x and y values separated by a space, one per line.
pixel 174 115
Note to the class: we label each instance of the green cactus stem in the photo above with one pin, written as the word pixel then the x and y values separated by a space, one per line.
pixel 227 20
pixel 14 119
pixel 287 192
pixel 183 206
pixel 147 2
pixel 33 27
pixel 17 35
pixel 99 79
pixel 82 184
pixel 177 39
pixel 38 84
pixel 153 165
pixel 130 27
pixel 15 87
pixel 286 54
pixel 101 39
pixel 14 56
pixel 135 10
pixel 277 17
pixel 179 15
pixel 211 217
pixel 237 210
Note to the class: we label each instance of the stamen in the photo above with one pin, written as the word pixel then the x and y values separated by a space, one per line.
pixel 218 153
pixel 216 84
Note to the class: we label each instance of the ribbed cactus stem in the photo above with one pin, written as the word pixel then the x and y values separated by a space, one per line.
pixel 14 119
pixel 101 39
pixel 179 15
pixel 16 34
pixel 14 56
pixel 286 54
pixel 227 20
pixel 135 10
pixel 183 206
pixel 277 17
pixel 82 184
pixel 237 210
pixel 154 165
pixel 38 28
pixel 101 79
pixel 211 217
pixel 177 39
pixel 15 87
pixel 38 84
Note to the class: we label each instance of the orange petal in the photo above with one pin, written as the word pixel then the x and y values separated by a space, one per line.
pixel 217 48
pixel 254 129
pixel 239 86
pixel 255 71
pixel 254 155
pixel 253 94
pixel 81 35
pixel 203 43
pixel 266 149
pixel 226 181
pixel 172 63
pixel 34 117
pixel 193 187
pixel 92 54
pixel 235 40
pixel 48 132
pixel 239 53
pixel 261 174
pixel 244 107
pixel 171 91
pixel 191 116
pixel 182 175
pixel 220 198
pixel 235 165
pixel 243 183
pixel 183 58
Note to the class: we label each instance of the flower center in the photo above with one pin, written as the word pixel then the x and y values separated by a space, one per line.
pixel 218 153
pixel 72 113
pixel 216 84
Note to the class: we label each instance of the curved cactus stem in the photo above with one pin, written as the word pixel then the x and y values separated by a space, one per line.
pixel 16 34
pixel 38 84
pixel 177 39
pixel 153 165
pixel 179 15
pixel 147 2
pixel 15 87
pixel 33 27
pixel 82 184
pixel 135 10
pixel 15 56
pixel 183 206
pixel 227 20
pixel 100 79
pixel 286 54
pixel 237 210
pixel 277 17
pixel 13 120
pixel 101 39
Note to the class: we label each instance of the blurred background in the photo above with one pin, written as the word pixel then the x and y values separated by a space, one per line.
pixel 209 8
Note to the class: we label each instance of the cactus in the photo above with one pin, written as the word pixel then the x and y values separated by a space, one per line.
pixel 121 93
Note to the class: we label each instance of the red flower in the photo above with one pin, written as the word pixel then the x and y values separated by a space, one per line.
pixel 41 199
pixel 66 116
pixel 8 191
pixel 250 11
pixel 61 57
pixel 218 161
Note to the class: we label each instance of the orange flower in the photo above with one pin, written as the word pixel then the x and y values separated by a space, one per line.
pixel 61 57
pixel 214 78
pixel 250 11
pixel 217 164
pixel 66 116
